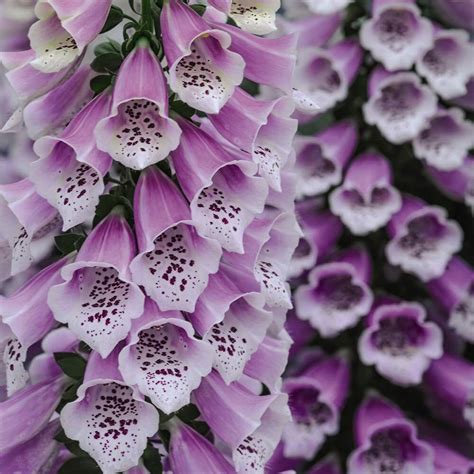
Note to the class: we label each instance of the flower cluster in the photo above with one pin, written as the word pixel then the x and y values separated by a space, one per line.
pixel 153 336
pixel 381 372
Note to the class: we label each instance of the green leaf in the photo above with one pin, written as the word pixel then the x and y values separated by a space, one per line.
pixel 183 109
pixel 100 83
pixel 188 413
pixel 114 18
pixel 80 465
pixel 108 62
pixel 110 46
pixel 71 364
pixel 199 9
pixel 67 243
pixel 107 202
pixel 152 460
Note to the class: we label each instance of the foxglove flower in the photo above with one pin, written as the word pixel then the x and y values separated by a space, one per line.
pixel 249 424
pixel 139 133
pixel 28 317
pixel 396 35
pixel 451 381
pixel 318 7
pixel 164 359
pixel 97 299
pixel 422 239
pixel 34 455
pixel 268 61
pixel 262 128
pixel 312 30
pixel 321 230
pixel 270 242
pixel 323 76
pixel 203 72
pixel 466 101
pixel 24 215
pixel 446 140
pixel 225 195
pixel 257 17
pixel 366 200
pixel 456 12
pixel 269 361
pixel 50 113
pixel 387 441
pixel 458 184
pixel 110 419
pixel 63 31
pixel 399 105
pixel 454 290
pixel 70 171
pixel 399 342
pixel 320 159
pixel 191 452
pixel 316 397
pixel 446 66
pixel 174 261
pixel 337 294
pixel 25 415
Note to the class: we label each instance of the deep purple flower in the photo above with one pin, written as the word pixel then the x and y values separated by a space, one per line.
pixel 387 441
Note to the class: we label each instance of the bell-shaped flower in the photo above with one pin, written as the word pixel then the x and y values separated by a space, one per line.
pixel 446 140
pixel 316 398
pixel 64 30
pixel 450 380
pixel 225 195
pixel 396 35
pixel 262 128
pixel 323 76
pixel 110 419
pixel 138 132
pixel 268 61
pixel 27 413
pixel 337 294
pixel 202 69
pixel 250 425
pixel 399 341
pixel 24 215
pixel 256 17
pixel 324 7
pixel 457 13
pixel 70 171
pixel 321 230
pixel 312 30
pixel 98 300
pixel 387 441
pixel 399 104
pixel 269 361
pixel 34 455
pixel 366 200
pixel 320 159
pixel 28 317
pixel 454 290
pixel 422 239
pixel 269 244
pixel 164 359
pixel 27 82
pixel 13 374
pixel 174 261
pixel 447 66
pixel 50 113
pixel 189 452
pixel 466 101
pixel 457 184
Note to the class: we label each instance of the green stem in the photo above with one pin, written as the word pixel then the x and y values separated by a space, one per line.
pixel 147 16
